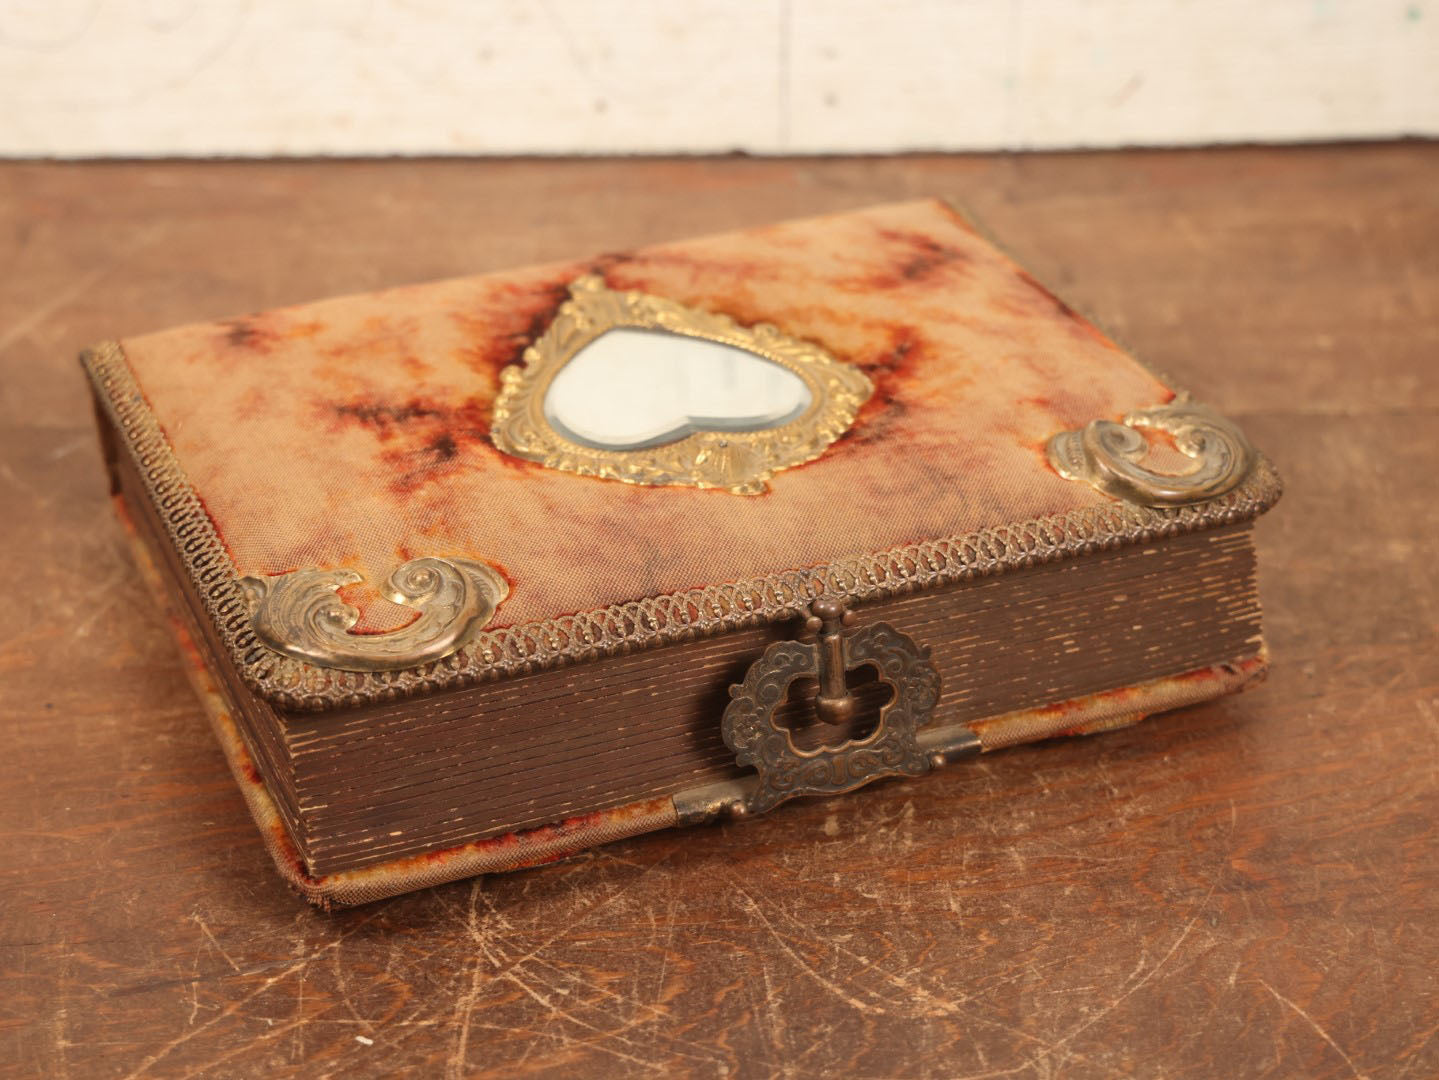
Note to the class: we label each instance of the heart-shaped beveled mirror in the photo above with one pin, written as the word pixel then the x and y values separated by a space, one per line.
pixel 630 389
pixel 633 387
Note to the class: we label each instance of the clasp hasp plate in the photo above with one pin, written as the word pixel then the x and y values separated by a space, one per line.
pixel 891 749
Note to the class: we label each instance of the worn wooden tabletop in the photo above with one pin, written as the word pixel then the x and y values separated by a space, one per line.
pixel 1245 889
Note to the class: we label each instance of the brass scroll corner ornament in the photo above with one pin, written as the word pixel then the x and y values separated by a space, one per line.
pixel 300 614
pixel 891 749
pixel 1107 455
pixel 739 461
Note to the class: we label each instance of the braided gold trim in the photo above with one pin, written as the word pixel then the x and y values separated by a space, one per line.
pixel 508 651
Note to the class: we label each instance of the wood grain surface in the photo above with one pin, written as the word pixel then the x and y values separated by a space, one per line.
pixel 1246 889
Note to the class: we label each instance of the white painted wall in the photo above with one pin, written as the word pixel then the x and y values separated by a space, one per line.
pixel 262 77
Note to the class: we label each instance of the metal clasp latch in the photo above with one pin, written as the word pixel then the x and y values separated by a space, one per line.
pixel 891 749
pixel 895 746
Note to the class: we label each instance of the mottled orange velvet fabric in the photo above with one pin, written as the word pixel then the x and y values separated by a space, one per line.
pixel 355 432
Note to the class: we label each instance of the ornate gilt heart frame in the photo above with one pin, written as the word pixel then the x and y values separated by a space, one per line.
pixel 738 461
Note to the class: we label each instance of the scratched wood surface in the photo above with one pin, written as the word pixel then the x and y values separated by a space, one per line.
pixel 1246 889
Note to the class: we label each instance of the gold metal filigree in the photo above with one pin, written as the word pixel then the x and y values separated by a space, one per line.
pixel 738 461
pixel 301 615
pixel 1106 455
